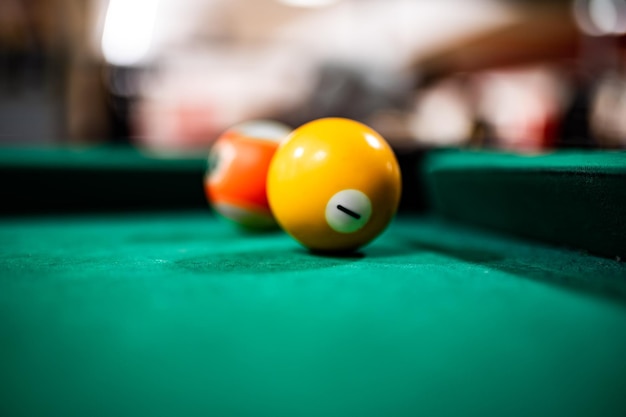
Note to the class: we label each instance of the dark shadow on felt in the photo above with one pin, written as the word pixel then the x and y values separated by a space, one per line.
pixel 262 261
pixel 335 254
pixel 599 277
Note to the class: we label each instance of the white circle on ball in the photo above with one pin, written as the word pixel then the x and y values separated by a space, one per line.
pixel 348 211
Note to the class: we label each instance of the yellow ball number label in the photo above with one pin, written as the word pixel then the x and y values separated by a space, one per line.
pixel 348 211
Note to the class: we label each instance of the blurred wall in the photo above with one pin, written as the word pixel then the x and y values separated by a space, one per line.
pixel 511 74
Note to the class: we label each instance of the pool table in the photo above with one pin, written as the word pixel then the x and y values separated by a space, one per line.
pixel 122 294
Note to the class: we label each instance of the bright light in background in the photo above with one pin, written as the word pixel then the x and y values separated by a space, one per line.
pixel 601 17
pixel 308 3
pixel 128 30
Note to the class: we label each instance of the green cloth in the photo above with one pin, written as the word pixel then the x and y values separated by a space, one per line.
pixel 179 314
pixel 573 198
pixel 95 158
pixel 97 179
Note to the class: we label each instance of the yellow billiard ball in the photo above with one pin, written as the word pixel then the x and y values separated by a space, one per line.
pixel 334 184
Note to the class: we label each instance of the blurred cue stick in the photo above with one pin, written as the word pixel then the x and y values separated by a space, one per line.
pixel 538 35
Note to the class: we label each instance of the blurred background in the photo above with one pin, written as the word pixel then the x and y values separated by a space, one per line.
pixel 168 76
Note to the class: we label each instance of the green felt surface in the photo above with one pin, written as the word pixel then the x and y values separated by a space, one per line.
pixel 180 314
pixel 96 158
pixel 75 180
pixel 583 161
pixel 572 198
